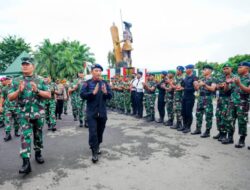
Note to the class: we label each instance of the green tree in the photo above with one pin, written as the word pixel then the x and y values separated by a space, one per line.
pixel 237 59
pixel 111 59
pixel 10 48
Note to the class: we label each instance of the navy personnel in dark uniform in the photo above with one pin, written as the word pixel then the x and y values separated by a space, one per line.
pixel 161 97
pixel 96 92
pixel 188 99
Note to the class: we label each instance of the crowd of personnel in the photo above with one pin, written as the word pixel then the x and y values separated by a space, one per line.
pixel 28 101
pixel 175 93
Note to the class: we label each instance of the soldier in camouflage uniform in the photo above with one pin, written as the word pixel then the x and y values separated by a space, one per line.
pixel 65 104
pixel 30 91
pixel 239 106
pixel 11 111
pixel 120 95
pixel 112 102
pixel 170 98
pixel 207 87
pixel 149 97
pixel 223 110
pixel 177 85
pixel 1 106
pixel 50 105
pixel 127 99
pixel 78 104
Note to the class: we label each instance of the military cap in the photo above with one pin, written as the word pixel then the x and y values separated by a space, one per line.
pixel 244 63
pixel 171 72
pixel 164 72
pixel 227 64
pixel 180 68
pixel 140 73
pixel 207 66
pixel 27 60
pixel 190 66
pixel 3 79
pixel 96 66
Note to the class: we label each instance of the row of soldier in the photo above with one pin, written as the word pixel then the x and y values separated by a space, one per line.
pixel 176 94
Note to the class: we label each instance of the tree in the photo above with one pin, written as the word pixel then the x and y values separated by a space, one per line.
pixel 10 48
pixel 237 59
pixel 62 60
pixel 111 59
pixel 216 66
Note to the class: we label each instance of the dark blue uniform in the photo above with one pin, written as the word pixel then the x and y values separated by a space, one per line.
pixel 188 101
pixel 96 110
pixel 161 100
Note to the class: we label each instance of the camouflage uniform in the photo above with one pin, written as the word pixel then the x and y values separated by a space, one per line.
pixel 120 97
pixel 31 113
pixel 178 99
pixel 127 101
pixel 1 113
pixel 11 111
pixel 170 105
pixel 50 107
pixel 205 105
pixel 149 100
pixel 65 104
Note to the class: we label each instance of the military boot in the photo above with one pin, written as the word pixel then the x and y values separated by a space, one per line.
pixel 160 120
pixel 53 128
pixel 206 134
pixel 217 136
pixel 38 157
pixel 81 123
pixel 17 134
pixel 7 137
pixel 86 123
pixel 181 127
pixel 248 148
pixel 26 168
pixel 228 140
pixel 94 155
pixel 196 132
pixel 169 123
pixel 241 142
pixel 177 126
pixel 186 130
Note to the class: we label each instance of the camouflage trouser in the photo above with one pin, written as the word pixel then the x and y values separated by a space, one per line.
pixel 82 109
pixel 65 106
pixel 27 126
pixel 121 105
pixel 239 112
pixel 8 115
pixel 1 117
pixel 204 106
pixel 177 110
pixel 223 114
pixel 127 102
pixel 112 102
pixel 149 103
pixel 170 109
pixel 75 105
pixel 50 116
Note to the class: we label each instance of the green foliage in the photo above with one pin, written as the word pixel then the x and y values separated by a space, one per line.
pixel 111 59
pixel 62 60
pixel 10 48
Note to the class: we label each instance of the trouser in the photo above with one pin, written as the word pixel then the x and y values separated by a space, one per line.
pixel 59 107
pixel 133 101
pixel 65 106
pixel 187 110
pixel 27 126
pixel 161 106
pixel 50 116
pixel 139 103
pixel 10 114
pixel 96 129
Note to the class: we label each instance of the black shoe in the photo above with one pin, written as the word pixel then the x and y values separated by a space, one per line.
pixel 150 119
pixel 196 132
pixel 169 123
pixel 7 137
pixel 186 130
pixel 94 156
pixel 60 117
pixel 217 136
pixel 38 157
pixel 222 136
pixel 17 134
pixel 86 124
pixel 206 134
pixel 228 139
pixel 65 113
pixel 81 123
pixel 177 126
pixel 248 148
pixel 241 142
pixel 160 120
pixel 181 128
pixel 53 128
pixel 26 168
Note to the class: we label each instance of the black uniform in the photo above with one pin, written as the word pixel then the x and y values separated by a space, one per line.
pixel 188 101
pixel 161 100
pixel 96 110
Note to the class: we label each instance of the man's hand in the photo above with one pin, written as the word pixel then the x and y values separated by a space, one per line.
pixel 104 89
pixel 34 86
pixel 237 81
pixel 21 86
pixel 95 91
pixel 1 109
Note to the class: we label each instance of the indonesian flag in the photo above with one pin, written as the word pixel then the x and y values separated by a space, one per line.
pixel 111 73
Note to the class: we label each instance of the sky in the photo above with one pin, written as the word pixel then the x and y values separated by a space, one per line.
pixel 166 33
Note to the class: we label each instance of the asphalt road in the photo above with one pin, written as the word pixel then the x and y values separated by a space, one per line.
pixel 137 155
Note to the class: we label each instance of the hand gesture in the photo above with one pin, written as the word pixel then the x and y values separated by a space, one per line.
pixel 34 86
pixel 21 86
pixel 1 109
pixel 201 83
pixel 104 89
pixel 163 85
pixel 237 81
pixel 96 89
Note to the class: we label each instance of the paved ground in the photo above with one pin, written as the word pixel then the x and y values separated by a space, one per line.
pixel 137 155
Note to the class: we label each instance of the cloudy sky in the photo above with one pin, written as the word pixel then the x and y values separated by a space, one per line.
pixel 166 33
